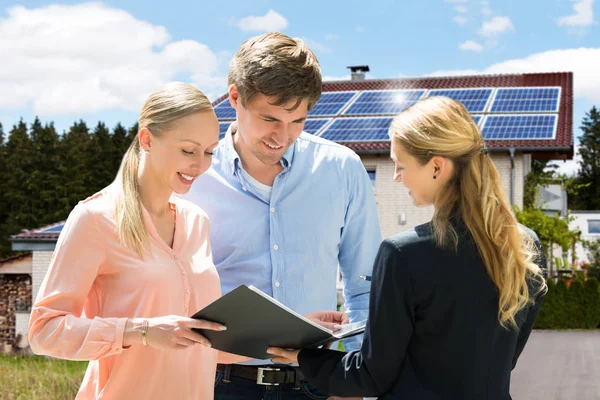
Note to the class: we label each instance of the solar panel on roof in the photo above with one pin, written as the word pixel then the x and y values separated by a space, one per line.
pixel 331 103
pixel 381 102
pixel 520 127
pixel 224 110
pixel 475 100
pixel 57 228
pixel 358 129
pixel 526 100
pixel 477 118
pixel 223 126
pixel 312 126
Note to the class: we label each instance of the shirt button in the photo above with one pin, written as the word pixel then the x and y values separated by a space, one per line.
pixel 272 209
pixel 275 247
pixel 277 284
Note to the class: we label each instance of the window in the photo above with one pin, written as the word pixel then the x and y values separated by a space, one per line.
pixel 372 177
pixel 594 226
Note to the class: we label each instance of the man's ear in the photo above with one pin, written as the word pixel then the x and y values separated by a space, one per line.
pixel 234 96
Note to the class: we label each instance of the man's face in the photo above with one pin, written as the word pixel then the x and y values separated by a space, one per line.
pixel 266 130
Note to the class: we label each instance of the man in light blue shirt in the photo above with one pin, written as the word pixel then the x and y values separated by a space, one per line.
pixel 286 208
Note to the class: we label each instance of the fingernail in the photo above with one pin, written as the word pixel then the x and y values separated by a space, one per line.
pixel 337 326
pixel 223 328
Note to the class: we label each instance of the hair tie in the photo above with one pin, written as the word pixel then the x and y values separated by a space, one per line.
pixel 484 151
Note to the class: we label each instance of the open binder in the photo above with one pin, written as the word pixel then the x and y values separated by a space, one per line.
pixel 256 321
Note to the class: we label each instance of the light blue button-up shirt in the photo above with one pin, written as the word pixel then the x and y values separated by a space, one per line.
pixel 321 212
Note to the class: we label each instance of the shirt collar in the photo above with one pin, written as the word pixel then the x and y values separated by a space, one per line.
pixel 232 157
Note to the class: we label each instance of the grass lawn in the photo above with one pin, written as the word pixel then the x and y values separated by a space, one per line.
pixel 37 378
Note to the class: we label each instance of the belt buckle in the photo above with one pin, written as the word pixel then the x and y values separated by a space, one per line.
pixel 260 376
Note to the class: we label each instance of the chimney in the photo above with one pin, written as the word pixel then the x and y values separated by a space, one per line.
pixel 358 72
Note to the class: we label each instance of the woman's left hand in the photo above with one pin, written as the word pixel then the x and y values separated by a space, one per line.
pixel 284 356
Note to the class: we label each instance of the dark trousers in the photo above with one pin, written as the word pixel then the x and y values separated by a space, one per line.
pixel 241 388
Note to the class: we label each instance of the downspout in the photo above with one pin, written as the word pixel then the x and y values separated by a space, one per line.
pixel 511 152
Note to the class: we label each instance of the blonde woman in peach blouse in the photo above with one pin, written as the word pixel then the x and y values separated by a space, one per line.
pixel 133 261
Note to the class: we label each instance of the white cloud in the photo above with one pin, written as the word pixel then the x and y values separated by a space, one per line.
pixel 271 21
pixel 485 10
pixel 461 9
pixel 336 78
pixel 331 36
pixel 315 46
pixel 65 60
pixel 360 28
pixel 583 62
pixel 583 16
pixel 471 45
pixel 460 20
pixel 496 26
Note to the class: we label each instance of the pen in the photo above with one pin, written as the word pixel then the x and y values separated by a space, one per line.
pixel 366 277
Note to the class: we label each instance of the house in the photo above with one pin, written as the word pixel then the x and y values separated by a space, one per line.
pixel 588 223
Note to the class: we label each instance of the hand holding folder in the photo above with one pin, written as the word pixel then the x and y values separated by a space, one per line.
pixel 256 321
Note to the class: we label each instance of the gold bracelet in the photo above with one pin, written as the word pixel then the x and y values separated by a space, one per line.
pixel 145 324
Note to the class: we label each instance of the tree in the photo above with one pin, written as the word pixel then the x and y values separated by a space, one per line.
pixel 17 197
pixel 589 165
pixel 592 247
pixel 44 179
pixel 101 155
pixel 551 229
pixel 4 244
pixel 120 144
pixel 75 169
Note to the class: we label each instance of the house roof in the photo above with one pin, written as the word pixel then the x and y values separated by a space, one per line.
pixel 46 233
pixel 15 258
pixel 559 148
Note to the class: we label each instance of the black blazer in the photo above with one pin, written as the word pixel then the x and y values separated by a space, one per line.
pixel 433 330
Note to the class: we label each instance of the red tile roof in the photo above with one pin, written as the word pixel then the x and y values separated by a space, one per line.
pixel 562 146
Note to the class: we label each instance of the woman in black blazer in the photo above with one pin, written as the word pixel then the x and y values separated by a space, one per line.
pixel 453 301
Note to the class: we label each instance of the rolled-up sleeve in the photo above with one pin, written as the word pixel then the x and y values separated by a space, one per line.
pixel 57 327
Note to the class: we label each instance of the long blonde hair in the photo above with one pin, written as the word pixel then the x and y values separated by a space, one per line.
pixel 159 113
pixel 439 126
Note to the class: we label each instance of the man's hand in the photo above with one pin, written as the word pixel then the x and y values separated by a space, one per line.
pixel 329 319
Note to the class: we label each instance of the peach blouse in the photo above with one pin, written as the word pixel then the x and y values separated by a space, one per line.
pixel 94 283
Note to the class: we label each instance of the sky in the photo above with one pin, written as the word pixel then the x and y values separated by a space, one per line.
pixel 99 61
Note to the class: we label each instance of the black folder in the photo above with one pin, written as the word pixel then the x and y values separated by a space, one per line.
pixel 256 321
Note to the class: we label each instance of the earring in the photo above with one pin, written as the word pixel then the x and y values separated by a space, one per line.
pixel 435 177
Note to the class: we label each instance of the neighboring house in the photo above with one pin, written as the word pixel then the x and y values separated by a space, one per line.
pixel 15 301
pixel 588 222
pixel 522 117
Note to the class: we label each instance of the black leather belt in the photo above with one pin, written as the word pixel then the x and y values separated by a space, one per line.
pixel 263 375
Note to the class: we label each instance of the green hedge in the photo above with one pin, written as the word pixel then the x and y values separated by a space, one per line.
pixel 575 307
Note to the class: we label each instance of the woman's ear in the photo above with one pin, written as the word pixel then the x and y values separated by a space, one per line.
pixel 145 138
pixel 441 167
